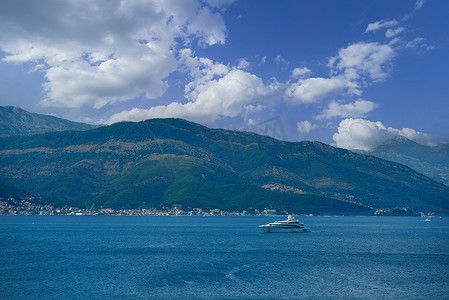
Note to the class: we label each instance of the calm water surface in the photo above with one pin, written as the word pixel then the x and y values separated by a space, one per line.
pixel 64 257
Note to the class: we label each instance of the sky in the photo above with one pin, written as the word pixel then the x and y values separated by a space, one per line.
pixel 353 74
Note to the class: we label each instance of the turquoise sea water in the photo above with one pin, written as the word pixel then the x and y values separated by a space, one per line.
pixel 66 257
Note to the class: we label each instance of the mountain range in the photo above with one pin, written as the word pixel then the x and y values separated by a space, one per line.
pixel 162 162
pixel 15 121
pixel 430 161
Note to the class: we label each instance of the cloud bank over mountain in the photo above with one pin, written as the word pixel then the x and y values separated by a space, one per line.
pixel 360 134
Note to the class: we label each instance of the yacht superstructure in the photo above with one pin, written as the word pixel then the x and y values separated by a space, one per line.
pixel 289 225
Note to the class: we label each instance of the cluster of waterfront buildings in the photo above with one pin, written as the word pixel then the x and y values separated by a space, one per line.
pixel 399 211
pixel 31 206
pixel 24 206
pixel 28 206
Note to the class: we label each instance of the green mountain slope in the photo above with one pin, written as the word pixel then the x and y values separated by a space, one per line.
pixel 15 121
pixel 171 161
pixel 8 190
pixel 430 161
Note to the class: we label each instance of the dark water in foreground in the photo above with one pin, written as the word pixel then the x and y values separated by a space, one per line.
pixel 63 257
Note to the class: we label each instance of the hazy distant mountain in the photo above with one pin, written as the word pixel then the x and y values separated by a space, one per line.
pixel 15 121
pixel 431 161
pixel 171 161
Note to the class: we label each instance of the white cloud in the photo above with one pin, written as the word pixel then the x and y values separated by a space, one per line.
pixel 415 42
pixel 209 27
pixel 279 59
pixel 95 52
pixel 227 95
pixel 394 41
pixel 357 109
pixel 420 44
pixel 381 24
pixel 305 127
pixel 216 91
pixel 369 59
pixel 243 64
pixel 251 109
pixel 393 32
pixel 360 134
pixel 201 69
pixel 353 67
pixel 112 80
pixel 300 72
pixel 419 4
pixel 312 89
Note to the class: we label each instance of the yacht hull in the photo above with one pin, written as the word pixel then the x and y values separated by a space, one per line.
pixel 271 229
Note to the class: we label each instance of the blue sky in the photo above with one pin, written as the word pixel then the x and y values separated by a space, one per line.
pixel 349 73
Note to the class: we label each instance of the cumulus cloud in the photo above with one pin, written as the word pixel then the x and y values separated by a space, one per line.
pixel 352 68
pixel 300 72
pixel 208 27
pixel 243 64
pixel 360 134
pixel 97 52
pixel 370 59
pixel 358 108
pixel 312 89
pixel 112 80
pixel 216 90
pixel 305 126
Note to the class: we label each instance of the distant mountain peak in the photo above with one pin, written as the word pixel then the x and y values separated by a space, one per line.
pixel 15 121
pixel 429 160
pixel 400 138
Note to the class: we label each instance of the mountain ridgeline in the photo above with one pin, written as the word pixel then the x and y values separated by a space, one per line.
pixel 162 162
pixel 430 161
pixel 15 121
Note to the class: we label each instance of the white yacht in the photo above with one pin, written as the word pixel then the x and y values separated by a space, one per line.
pixel 289 225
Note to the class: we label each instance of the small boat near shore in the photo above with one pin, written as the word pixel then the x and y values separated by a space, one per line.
pixel 289 225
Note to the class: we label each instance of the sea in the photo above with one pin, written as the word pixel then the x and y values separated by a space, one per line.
pixel 193 257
